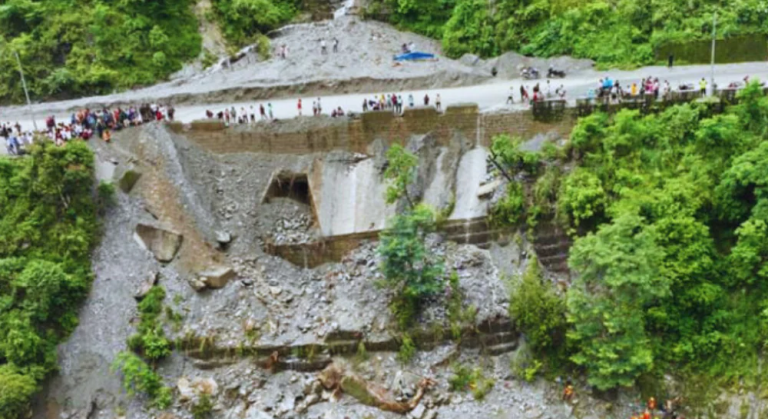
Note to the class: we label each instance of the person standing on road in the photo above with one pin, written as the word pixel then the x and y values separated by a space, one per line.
pixel 323 47
pixel 426 99
pixel 365 105
pixel 703 86
pixel 319 107
pixel 299 106
pixel 262 112
pixel 438 103
pixel 399 104
pixel 335 45
pixel 410 100
pixel 511 97
pixel 271 117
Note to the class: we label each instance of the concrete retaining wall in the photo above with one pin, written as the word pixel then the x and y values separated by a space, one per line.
pixel 318 135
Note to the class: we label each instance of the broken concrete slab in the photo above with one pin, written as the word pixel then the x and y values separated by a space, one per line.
pixel 217 277
pixel 128 180
pixel 487 190
pixel 164 244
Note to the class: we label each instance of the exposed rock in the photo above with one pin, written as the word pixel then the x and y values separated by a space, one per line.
pixel 223 238
pixel 254 412
pixel 207 386
pixel 418 412
pixel 164 244
pixel 128 180
pixel 431 414
pixel 196 283
pixel 146 286
pixel 186 392
pixel 217 277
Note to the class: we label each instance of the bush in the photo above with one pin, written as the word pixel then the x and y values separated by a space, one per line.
pixel 470 379
pixel 150 341
pixel 538 311
pixel 509 210
pixel 582 199
pixel 16 389
pixel 138 377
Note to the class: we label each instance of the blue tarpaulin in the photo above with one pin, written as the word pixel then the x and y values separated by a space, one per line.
pixel 413 56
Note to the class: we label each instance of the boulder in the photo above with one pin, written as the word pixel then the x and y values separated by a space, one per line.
pixel 217 277
pixel 146 286
pixel 207 386
pixel 196 283
pixel 418 412
pixel 128 180
pixel 164 244
pixel 186 391
pixel 223 238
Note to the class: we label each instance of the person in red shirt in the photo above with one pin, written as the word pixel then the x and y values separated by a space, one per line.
pixel 299 106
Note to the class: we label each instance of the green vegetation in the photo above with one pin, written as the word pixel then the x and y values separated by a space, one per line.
pixel 668 213
pixel 538 311
pixel 138 377
pixel 83 47
pixel 246 21
pixel 203 408
pixel 150 341
pixel 410 270
pixel 612 32
pixel 471 379
pixel 48 228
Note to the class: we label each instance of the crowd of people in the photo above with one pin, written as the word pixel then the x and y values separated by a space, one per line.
pixel 537 94
pixel 395 103
pixel 84 124
pixel 244 116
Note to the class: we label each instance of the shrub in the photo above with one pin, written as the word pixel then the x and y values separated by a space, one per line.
pixel 138 377
pixel 16 389
pixel 509 210
pixel 465 378
pixel 537 310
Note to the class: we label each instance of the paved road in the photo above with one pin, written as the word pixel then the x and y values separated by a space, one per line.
pixel 490 96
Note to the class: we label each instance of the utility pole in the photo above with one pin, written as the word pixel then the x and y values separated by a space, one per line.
pixel 26 93
pixel 714 36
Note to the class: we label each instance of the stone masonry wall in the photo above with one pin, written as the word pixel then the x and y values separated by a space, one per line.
pixel 317 135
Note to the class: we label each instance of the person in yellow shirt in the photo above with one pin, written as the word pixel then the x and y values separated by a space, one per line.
pixel 633 90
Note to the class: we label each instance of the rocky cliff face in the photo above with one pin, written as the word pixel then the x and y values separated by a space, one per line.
pixel 253 332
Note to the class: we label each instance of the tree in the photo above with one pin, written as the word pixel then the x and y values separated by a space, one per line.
pixel 410 270
pixel 618 275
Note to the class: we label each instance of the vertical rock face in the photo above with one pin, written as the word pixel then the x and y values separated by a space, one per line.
pixel 164 244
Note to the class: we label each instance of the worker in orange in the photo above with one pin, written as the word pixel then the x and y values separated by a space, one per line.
pixel 568 392
pixel 646 414
pixel 635 417
pixel 652 404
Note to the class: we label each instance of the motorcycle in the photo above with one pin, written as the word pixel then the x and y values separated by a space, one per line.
pixel 530 73
pixel 555 74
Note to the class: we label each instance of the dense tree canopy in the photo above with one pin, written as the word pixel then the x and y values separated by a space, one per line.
pixel 47 229
pixel 669 217
pixel 74 47
pixel 621 32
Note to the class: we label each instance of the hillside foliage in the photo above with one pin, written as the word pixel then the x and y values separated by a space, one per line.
pixel 83 47
pixel 612 32
pixel 669 214
pixel 47 230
